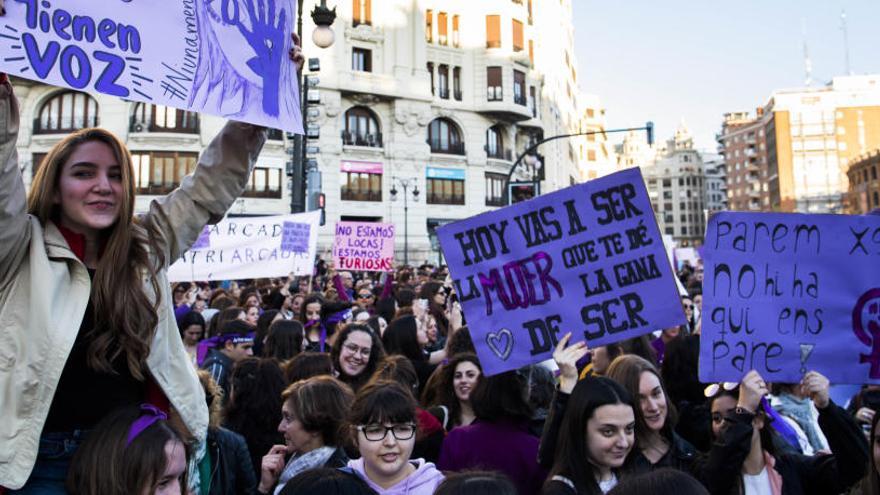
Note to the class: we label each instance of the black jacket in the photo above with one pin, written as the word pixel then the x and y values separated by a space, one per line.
pixel 681 456
pixel 817 475
pixel 231 469
pixel 219 365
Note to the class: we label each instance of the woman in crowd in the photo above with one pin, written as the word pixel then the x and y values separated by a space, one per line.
pixel 407 337
pixel 595 439
pixel 310 317
pixel 306 365
pixel 499 439
pixel 457 380
pixel 801 415
pixel 285 340
pixel 91 286
pixel 132 450
pixel 743 458
pixel 679 372
pixel 382 425
pixel 263 322
pixel 355 354
pixel 435 293
pixel 254 406
pixel 227 468
pixel 229 314
pixel 658 444
pixel 311 420
pixel 377 324
pixel 192 331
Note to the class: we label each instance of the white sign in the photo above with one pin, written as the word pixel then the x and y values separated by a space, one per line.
pixel 223 57
pixel 251 247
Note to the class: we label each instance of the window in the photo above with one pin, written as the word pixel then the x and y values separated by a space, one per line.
pixel 669 231
pixel 444 137
pixel 519 87
pixel 445 192
pixel 264 183
pixel 532 52
pixel 158 118
pixel 518 36
pixel 67 111
pixel 496 192
pixel 667 183
pixel 361 128
pixel 494 143
pixel 494 89
pixel 431 72
pixel 159 172
pixel 456 38
pixel 443 81
pixel 493 31
pixel 456 83
pixel 361 12
pixel 442 27
pixel 533 101
pixel 876 199
pixel 361 186
pixel 874 172
pixel 591 155
pixel 429 26
pixel 361 60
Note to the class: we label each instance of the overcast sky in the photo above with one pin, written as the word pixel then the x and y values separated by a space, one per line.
pixel 695 60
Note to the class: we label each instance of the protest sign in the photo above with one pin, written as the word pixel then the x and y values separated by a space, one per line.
pixel 227 58
pixel 251 247
pixel 588 259
pixel 364 246
pixel 787 293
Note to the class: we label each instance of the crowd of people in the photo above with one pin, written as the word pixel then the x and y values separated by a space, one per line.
pixel 115 381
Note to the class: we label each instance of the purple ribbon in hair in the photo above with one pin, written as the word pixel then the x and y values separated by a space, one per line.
pixel 150 415
pixel 784 429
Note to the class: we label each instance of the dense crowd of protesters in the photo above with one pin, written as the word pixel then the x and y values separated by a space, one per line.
pixel 114 381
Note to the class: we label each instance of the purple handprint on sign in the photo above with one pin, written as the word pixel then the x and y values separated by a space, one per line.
pixel 866 325
pixel 266 37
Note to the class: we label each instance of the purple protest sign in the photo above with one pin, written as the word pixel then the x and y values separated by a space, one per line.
pixel 784 293
pixel 588 259
pixel 295 237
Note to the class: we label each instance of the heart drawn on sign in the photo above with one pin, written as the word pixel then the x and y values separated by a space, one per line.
pixel 501 343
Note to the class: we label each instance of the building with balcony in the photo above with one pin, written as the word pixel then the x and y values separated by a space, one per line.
pixel 864 186
pixel 164 143
pixel 715 170
pixel 595 153
pixel 742 143
pixel 445 95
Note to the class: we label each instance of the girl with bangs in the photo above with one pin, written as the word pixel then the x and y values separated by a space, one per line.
pixel 88 314
pixel 383 425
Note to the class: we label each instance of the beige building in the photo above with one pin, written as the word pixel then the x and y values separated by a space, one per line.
pixel 442 94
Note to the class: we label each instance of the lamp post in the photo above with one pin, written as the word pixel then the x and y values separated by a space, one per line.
pixel 648 128
pixel 322 37
pixel 405 184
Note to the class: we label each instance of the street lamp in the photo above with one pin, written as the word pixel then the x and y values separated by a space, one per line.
pixel 533 163
pixel 405 184
pixel 323 37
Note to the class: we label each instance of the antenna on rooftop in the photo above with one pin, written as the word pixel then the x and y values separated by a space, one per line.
pixel 808 65
pixel 845 41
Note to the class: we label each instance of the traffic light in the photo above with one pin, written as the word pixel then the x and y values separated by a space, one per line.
pixel 321 200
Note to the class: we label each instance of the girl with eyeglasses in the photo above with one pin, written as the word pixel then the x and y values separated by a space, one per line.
pixel 383 425
pixel 744 460
pixel 355 354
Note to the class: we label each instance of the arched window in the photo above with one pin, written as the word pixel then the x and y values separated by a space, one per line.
pixel 494 143
pixel 67 111
pixel 158 118
pixel 361 128
pixel 444 137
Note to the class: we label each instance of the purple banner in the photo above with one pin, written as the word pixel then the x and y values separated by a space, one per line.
pixel 784 293
pixel 588 259
pixel 295 237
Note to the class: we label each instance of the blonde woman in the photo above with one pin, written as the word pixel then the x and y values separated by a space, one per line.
pixel 85 304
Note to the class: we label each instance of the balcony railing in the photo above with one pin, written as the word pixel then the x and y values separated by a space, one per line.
pixel 447 148
pixel 360 195
pixel 519 99
pixel 188 124
pixel 495 93
pixel 499 154
pixel 357 139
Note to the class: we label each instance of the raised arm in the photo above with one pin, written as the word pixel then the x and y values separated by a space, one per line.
pixel 13 205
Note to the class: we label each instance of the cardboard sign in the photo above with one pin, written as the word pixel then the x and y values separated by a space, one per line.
pixel 251 247
pixel 588 259
pixel 788 293
pixel 223 57
pixel 364 246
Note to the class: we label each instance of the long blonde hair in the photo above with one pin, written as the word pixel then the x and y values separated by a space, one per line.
pixel 125 315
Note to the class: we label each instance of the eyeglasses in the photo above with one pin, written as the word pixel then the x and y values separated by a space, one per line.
pixel 712 389
pixel 365 296
pixel 363 351
pixel 377 433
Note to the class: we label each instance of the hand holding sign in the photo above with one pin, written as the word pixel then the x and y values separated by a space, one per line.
pixel 816 386
pixel 752 389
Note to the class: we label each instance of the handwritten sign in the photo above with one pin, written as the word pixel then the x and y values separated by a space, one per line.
pixel 224 57
pixel 364 246
pixel 251 247
pixel 788 293
pixel 587 259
